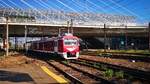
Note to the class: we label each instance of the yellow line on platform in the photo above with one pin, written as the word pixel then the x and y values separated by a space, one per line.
pixel 56 77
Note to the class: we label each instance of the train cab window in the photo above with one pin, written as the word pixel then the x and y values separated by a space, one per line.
pixel 71 42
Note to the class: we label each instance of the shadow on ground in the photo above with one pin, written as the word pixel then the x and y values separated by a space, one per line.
pixel 14 76
pixel 44 56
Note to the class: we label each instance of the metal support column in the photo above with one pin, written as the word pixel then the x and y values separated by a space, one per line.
pixel 16 43
pixel 7 35
pixel 149 35
pixel 104 38
pixel 126 38
pixel 68 27
pixel 71 26
pixel 25 37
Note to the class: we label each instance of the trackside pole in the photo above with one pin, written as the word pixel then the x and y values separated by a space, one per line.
pixel 149 35
pixel 67 27
pixel 104 38
pixel 25 37
pixel 126 38
pixel 71 26
pixel 7 32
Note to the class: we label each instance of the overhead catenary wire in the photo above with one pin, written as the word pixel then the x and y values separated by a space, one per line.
pixel 16 6
pixel 126 9
pixel 14 3
pixel 111 4
pixel 40 4
pixel 90 11
pixel 115 9
pixel 34 8
pixel 4 9
pixel 8 6
pixel 11 9
pixel 101 9
pixel 69 7
pixel 110 7
pixel 61 9
pixel 63 15
pixel 50 5
pixel 66 5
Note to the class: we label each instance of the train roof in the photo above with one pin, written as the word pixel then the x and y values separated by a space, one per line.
pixel 66 35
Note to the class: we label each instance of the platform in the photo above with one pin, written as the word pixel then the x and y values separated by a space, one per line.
pixel 27 74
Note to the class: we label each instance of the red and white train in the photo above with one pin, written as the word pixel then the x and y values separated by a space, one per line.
pixel 65 45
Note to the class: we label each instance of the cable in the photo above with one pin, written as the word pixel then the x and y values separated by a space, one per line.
pixel 50 5
pixel 2 5
pixel 126 9
pixel 9 6
pixel 98 7
pixel 53 11
pixel 3 10
pixel 46 4
pixel 124 18
pixel 111 4
pixel 80 6
pixel 14 3
pixel 40 4
pixel 33 8
pixel 66 5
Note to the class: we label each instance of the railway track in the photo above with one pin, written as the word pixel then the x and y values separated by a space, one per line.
pixel 76 75
pixel 139 74
pixel 141 58
pixel 67 75
pixel 137 57
pixel 140 54
pixel 98 73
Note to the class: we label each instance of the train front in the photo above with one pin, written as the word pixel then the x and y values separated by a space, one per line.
pixel 70 47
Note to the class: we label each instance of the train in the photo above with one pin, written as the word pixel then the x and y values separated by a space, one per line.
pixel 65 46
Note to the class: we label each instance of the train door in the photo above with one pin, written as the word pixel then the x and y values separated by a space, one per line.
pixel 60 45
pixel 55 46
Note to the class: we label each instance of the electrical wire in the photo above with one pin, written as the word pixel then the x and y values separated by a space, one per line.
pixel 34 8
pixel 9 7
pixel 127 10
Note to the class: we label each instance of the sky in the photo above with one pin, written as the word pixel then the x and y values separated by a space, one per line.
pixel 138 8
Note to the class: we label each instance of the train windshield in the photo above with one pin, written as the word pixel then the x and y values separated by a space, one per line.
pixel 71 42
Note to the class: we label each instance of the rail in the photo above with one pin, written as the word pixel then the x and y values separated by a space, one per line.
pixel 145 75
pixel 67 75
pixel 90 75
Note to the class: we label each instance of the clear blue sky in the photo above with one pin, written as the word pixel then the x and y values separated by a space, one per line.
pixel 137 8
